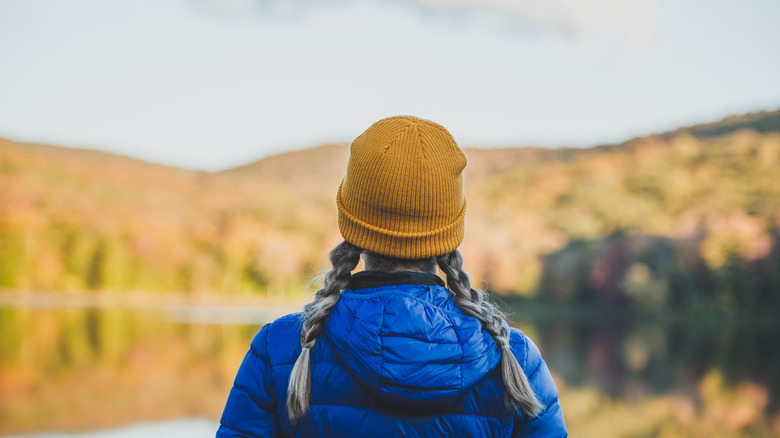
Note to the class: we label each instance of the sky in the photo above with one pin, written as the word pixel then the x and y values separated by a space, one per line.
pixel 212 84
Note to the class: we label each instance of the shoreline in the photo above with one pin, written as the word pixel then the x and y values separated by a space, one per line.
pixel 189 427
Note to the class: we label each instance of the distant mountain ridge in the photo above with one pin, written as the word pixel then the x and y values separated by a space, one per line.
pixel 310 158
pixel 761 122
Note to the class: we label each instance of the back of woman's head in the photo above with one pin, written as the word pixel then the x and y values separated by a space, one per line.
pixel 402 202
pixel 402 195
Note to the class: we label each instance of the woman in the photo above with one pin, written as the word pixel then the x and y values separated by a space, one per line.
pixel 390 351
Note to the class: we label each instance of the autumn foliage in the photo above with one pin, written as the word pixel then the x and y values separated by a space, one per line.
pixel 679 218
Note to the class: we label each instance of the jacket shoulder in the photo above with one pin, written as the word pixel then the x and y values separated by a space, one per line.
pixel 277 342
pixel 535 368
pixel 524 349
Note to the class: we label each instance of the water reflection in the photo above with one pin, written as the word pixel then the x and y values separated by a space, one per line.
pixel 628 356
pixel 91 368
pixel 71 368
pixel 647 375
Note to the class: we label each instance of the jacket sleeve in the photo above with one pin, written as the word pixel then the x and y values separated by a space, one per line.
pixel 251 407
pixel 549 422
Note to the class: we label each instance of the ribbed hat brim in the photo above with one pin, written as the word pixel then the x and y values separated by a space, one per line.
pixel 395 244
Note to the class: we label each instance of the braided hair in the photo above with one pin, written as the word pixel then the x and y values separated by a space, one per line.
pixel 344 258
pixel 518 392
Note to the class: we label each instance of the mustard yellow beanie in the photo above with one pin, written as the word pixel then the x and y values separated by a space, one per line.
pixel 402 195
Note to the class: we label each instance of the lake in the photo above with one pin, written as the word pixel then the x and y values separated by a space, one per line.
pixel 82 366
pixel 190 428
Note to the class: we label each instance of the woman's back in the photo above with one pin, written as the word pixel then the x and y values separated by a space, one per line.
pixel 390 352
pixel 397 358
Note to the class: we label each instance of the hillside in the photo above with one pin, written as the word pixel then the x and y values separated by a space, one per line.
pixel 762 122
pixel 686 215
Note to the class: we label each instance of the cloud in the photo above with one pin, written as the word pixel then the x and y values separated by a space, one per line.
pixel 586 22
pixel 582 20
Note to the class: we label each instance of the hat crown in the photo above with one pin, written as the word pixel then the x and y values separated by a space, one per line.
pixel 420 141
pixel 402 195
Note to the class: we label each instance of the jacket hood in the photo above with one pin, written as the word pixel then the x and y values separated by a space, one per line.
pixel 403 339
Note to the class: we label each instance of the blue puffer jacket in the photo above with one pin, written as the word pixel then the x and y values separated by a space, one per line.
pixel 397 359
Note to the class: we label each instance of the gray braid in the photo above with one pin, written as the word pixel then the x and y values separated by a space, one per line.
pixel 344 258
pixel 518 391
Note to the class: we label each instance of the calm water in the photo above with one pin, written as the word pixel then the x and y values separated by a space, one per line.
pixel 76 369
pixel 628 356
pixel 190 428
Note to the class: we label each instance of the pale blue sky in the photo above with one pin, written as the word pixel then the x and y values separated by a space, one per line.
pixel 211 84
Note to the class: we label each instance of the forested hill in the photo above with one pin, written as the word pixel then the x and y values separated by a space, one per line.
pixel 762 122
pixel 681 217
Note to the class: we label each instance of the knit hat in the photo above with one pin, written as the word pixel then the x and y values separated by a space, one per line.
pixel 402 195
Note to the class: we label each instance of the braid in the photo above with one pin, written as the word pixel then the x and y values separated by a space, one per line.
pixel 518 391
pixel 344 258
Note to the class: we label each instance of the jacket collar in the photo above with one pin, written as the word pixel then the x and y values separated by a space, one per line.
pixel 375 279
